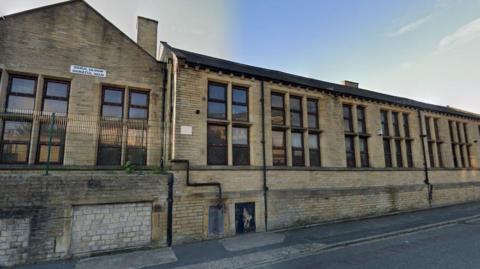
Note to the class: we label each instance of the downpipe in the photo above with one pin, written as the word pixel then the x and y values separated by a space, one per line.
pixel 170 210
pixel 265 187
pixel 207 184
pixel 425 166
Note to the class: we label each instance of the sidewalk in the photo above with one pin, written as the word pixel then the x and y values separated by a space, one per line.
pixel 258 249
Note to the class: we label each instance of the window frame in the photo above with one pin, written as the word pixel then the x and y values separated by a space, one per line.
pixel 295 111
pixel 10 93
pixel 234 103
pixel 103 103
pixel 15 142
pixel 283 148
pixel 364 155
pixel 225 146
pixel 247 146
pixel 316 151
pixel 130 105
pixel 361 121
pixel 56 98
pixel 395 124
pixel 282 109
pixel 350 139
pixel 406 125
pixel 315 113
pixel 301 149
pixel 218 101
pixel 349 118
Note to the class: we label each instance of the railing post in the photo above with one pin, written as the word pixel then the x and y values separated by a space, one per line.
pixel 50 134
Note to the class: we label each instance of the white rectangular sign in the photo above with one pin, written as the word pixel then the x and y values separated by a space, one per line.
pixel 186 130
pixel 89 71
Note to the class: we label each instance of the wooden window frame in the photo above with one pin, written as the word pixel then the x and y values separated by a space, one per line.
pixel 56 98
pixel 146 106
pixel 315 151
pixel 348 118
pixel 354 158
pixel 301 149
pixel 247 146
pixel 235 103
pixel 296 111
pixel 15 142
pixel 364 155
pixel 225 146
pixel 313 113
pixel 122 105
pixel 283 148
pixel 218 101
pixel 27 95
pixel 282 109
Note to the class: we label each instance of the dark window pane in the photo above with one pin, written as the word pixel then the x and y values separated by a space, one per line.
pixel 241 156
pixel 139 99
pixel 217 155
pixel 15 153
pixel 278 151
pixel 296 119
pixel 347 118
pixel 387 153
pixel 55 89
pixel 312 106
pixel 430 154
pixel 396 127
pixel 314 158
pixel 361 120
pixel 113 96
pixel 55 154
pixel 137 156
pixel 216 92
pixel 112 111
pixel 239 113
pixel 297 139
pixel 313 141
pixel 297 158
pixel 278 117
pixel 406 125
pixel 217 110
pixel 20 103
pixel 109 155
pixel 17 131
pixel 23 85
pixel 137 113
pixel 217 135
pixel 277 101
pixel 350 151
pixel 312 121
pixel 58 133
pixel 398 149
pixel 56 106
pixel 239 96
pixel 409 153
pixel 217 145
pixel 363 143
pixel 295 104
pixel 384 121
pixel 240 136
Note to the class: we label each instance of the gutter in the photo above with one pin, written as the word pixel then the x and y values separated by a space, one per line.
pixel 425 166
pixel 265 187
pixel 208 184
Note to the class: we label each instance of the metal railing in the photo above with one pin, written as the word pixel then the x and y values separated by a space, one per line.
pixel 36 138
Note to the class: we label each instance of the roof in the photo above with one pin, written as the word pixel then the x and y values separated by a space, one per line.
pixel 338 89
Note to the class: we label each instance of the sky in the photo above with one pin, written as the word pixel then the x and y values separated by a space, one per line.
pixel 427 50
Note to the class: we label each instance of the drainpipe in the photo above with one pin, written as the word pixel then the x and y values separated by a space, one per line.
pixel 170 210
pixel 162 150
pixel 265 187
pixel 425 166
pixel 209 184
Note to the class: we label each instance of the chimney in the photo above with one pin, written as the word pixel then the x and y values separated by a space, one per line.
pixel 351 84
pixel 147 35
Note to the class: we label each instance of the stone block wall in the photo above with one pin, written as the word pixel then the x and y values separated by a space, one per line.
pixel 14 237
pixel 111 226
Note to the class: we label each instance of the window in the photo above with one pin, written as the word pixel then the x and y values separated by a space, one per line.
pixel 438 143
pixel 454 144
pixel 21 94
pixel 406 125
pixel 239 104
pixel 296 111
pixel 384 121
pixel 111 129
pixel 409 153
pixel 314 149
pixel 137 146
pixel 398 152
pixel 461 144
pixel 278 109
pixel 112 103
pixel 387 152
pixel 55 97
pixel 396 125
pixel 312 109
pixel 347 118
pixel 362 126
pixel 427 127
pixel 15 141
pixel 364 152
pixel 241 149
pixel 350 151
pixel 297 149
pixel 467 145
pixel 217 145
pixel 278 148
pixel 217 101
pixel 138 105
pixel 55 100
pixel 57 146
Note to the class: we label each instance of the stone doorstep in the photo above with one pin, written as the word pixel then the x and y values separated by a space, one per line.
pixel 252 240
pixel 131 260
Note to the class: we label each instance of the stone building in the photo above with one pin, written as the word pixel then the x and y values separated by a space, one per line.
pixel 249 149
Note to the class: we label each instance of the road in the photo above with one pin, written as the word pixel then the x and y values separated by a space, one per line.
pixel 456 246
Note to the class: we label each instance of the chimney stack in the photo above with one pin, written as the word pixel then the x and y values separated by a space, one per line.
pixel 147 35
pixel 351 84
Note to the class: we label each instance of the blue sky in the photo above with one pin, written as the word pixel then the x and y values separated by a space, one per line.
pixel 427 50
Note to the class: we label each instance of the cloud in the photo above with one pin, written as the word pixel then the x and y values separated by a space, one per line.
pixel 411 26
pixel 462 35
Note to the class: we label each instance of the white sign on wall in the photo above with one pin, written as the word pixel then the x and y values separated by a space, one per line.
pixel 186 130
pixel 89 71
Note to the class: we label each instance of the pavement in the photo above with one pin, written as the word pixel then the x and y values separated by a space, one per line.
pixel 417 239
